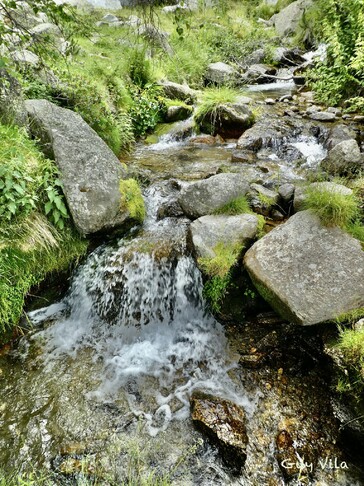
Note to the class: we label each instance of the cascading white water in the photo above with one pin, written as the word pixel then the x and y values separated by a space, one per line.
pixel 146 319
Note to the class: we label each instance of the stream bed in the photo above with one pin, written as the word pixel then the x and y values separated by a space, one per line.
pixel 100 387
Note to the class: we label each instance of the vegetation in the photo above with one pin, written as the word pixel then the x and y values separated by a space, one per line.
pixel 239 205
pixel 333 208
pixel 339 78
pixel 132 199
pixel 36 237
pixel 218 269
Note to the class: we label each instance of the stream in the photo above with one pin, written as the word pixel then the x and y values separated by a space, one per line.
pixel 100 386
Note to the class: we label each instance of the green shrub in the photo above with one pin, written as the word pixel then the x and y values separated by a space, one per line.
pixel 215 290
pixel 351 347
pixel 333 208
pixel 148 109
pixel 139 68
pixel 340 23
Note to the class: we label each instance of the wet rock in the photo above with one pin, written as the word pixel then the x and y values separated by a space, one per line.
pixel 243 156
pixel 265 133
pixel 287 20
pixel 277 215
pixel 300 193
pixel 295 268
pixel 224 423
pixel 205 197
pixel 259 73
pixel 359 118
pixel 178 113
pixel 203 140
pixel 220 73
pixel 169 209
pixel 339 133
pixel 343 159
pixel 177 91
pixel 262 199
pixel 288 57
pixel 323 116
pixel 89 170
pixel 209 231
pixel 228 120
pixel 270 101
pixel 286 193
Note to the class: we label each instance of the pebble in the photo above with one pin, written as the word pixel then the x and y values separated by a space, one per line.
pixel 270 101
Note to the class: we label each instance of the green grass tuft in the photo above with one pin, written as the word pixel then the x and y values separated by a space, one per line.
pixel 132 199
pixel 212 98
pixel 333 208
pixel 240 205
pixel 225 257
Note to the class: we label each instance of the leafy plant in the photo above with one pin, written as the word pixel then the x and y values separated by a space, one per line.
pixel 148 109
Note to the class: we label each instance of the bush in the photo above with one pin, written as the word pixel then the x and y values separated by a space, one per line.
pixel 340 23
pixel 148 110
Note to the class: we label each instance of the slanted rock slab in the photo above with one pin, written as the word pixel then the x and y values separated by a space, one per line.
pixel 89 170
pixel 308 273
pixel 209 231
pixel 224 423
pixel 206 196
pixel 344 159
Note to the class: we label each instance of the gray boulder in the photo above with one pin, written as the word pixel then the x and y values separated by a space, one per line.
pixel 89 170
pixel 287 20
pixel 308 273
pixel 207 196
pixel 344 159
pixel 258 73
pixel 229 120
pixel 178 113
pixel 25 57
pixel 267 132
pixel 324 116
pixel 209 231
pixel 339 133
pixel 177 91
pixel 220 73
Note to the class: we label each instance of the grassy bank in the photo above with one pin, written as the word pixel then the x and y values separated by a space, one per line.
pixel 36 234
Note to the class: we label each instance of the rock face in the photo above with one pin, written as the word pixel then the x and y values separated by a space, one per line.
pixel 207 196
pixel 344 159
pixel 339 133
pixel 219 73
pixel 258 73
pixel 209 231
pixel 178 113
pixel 224 422
pixel 288 19
pixel 267 132
pixel 90 171
pixel 308 273
pixel 229 120
pixel 177 91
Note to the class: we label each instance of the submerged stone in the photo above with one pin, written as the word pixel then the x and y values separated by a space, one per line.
pixel 308 273
pixel 224 423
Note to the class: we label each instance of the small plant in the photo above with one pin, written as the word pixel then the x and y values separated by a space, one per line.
pixel 148 109
pixel 132 199
pixel 212 98
pixel 215 290
pixel 240 205
pixel 332 207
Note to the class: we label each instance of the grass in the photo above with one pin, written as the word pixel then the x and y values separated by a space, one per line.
pixel 240 205
pixel 351 348
pixel 132 199
pixel 32 246
pixel 333 208
pixel 212 98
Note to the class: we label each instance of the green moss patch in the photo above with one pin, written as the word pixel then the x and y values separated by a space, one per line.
pixel 132 199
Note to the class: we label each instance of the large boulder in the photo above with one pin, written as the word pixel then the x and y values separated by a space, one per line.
pixel 209 195
pixel 344 159
pixel 339 133
pixel 89 170
pixel 287 20
pixel 224 423
pixel 308 273
pixel 267 132
pixel 207 232
pixel 258 73
pixel 229 120
pixel 220 73
pixel 177 91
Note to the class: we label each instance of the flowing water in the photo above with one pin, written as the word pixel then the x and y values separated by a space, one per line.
pixel 102 382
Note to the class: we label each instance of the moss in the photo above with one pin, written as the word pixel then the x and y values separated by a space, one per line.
pixel 350 317
pixel 132 199
pixel 215 290
pixel 225 257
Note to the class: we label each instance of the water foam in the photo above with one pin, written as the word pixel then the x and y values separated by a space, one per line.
pixel 146 319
